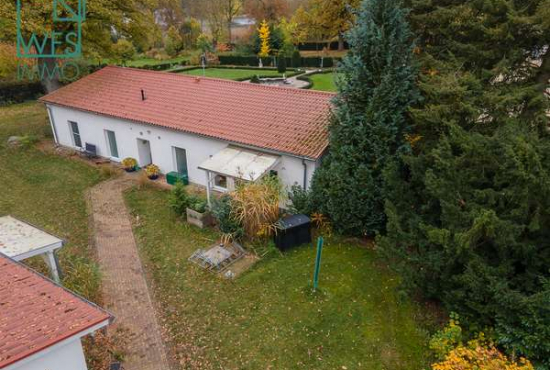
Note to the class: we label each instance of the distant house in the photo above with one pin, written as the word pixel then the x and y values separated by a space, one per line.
pixel 215 131
pixel 41 323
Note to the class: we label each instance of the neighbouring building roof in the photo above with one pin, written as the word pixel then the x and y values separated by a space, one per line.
pixel 20 240
pixel 280 119
pixel 35 313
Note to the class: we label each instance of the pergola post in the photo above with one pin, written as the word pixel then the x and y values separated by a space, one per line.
pixel 208 189
pixel 49 258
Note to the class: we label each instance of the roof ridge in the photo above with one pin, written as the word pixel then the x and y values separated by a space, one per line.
pixel 223 80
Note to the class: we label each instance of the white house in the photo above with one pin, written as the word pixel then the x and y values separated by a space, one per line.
pixel 41 323
pixel 216 131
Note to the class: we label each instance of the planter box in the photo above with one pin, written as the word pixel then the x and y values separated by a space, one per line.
pixel 201 220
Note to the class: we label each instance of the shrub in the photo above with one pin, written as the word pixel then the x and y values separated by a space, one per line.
pixel 198 204
pixel 179 199
pixel 222 209
pixel 255 79
pixel 281 65
pixel 301 200
pixel 19 91
pixel 296 59
pixel 444 341
pixel 480 356
pixel 129 163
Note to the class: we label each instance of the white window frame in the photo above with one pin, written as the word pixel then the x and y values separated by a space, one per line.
pixel 73 134
pixel 111 156
pixel 220 188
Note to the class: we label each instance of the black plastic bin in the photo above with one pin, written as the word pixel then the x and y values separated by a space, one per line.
pixel 295 230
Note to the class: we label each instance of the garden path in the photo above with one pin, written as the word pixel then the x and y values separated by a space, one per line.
pixel 123 280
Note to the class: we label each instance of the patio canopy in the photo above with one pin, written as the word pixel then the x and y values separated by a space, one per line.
pixel 20 240
pixel 240 163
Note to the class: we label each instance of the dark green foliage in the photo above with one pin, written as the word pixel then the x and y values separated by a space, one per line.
pixel 281 65
pixel 301 200
pixel 296 59
pixel 222 211
pixel 255 79
pixel 198 204
pixel 468 214
pixel 19 91
pixel 367 132
pixel 179 199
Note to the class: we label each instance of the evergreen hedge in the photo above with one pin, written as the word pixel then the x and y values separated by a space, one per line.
pixel 19 91
pixel 310 62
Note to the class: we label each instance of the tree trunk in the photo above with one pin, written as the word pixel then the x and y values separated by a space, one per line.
pixel 340 42
pixel 50 74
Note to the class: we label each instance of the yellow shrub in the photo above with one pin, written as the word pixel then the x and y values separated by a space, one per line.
pixel 478 355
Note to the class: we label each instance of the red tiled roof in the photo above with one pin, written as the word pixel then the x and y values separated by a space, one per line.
pixel 282 119
pixel 35 313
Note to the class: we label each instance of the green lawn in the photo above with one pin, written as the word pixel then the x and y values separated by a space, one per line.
pixel 323 81
pixel 151 61
pixel 232 73
pixel 268 318
pixel 48 190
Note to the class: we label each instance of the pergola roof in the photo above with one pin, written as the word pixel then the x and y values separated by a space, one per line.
pixel 20 240
pixel 240 163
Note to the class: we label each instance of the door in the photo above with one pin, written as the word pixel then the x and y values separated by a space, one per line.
pixel 111 141
pixel 144 152
pixel 181 161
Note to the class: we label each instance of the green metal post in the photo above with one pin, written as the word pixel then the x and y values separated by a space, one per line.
pixel 317 263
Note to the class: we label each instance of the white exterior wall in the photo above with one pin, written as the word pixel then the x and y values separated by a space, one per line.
pixel 67 357
pixel 162 140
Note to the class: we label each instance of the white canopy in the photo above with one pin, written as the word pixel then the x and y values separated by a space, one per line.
pixel 20 240
pixel 240 163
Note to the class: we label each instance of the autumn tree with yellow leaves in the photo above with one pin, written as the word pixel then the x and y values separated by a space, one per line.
pixel 264 34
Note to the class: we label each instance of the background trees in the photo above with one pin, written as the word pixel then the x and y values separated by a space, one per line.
pixel 368 128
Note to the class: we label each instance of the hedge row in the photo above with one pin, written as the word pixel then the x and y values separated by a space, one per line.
pixel 310 46
pixel 19 91
pixel 311 62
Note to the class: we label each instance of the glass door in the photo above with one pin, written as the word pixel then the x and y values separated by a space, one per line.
pixel 181 161
pixel 111 140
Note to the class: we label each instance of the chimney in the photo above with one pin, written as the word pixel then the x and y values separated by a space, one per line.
pixel 142 95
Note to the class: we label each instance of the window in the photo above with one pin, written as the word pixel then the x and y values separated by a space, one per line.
pixel 111 141
pixel 220 181
pixel 77 141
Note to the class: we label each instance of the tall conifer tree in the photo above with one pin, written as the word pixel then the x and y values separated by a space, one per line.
pixel 376 88
pixel 469 212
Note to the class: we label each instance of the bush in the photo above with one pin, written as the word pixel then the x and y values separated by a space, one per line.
pixel 301 200
pixel 480 356
pixel 19 91
pixel 179 199
pixel 281 65
pixel 198 204
pixel 255 79
pixel 444 341
pixel 222 209
pixel 296 59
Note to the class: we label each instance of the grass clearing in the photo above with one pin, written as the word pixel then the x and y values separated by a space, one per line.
pixel 232 73
pixel 48 190
pixel 267 318
pixel 323 81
